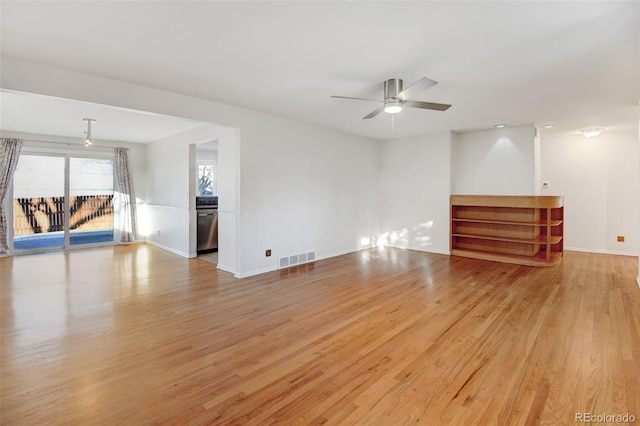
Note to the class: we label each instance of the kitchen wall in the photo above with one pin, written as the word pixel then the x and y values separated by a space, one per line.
pixel 415 181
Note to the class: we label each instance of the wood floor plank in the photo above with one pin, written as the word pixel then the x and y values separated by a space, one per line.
pixel 136 335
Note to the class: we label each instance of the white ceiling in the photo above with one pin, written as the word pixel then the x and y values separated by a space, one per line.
pixel 514 62
pixel 46 115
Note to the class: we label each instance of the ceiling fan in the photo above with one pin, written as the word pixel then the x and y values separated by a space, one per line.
pixel 395 97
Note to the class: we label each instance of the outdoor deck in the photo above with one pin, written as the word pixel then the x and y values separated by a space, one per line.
pixel 56 239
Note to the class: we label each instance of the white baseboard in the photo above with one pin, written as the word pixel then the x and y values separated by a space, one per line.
pixel 255 272
pixel 617 253
pixel 445 252
pixel 328 256
pixel 336 254
pixel 174 251
pixel 227 269
pixel 275 267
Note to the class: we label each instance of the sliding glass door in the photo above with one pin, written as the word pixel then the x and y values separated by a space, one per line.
pixel 62 201
pixel 90 201
pixel 38 202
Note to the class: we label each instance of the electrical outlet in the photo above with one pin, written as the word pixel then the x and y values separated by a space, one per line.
pixel 621 238
pixel 267 253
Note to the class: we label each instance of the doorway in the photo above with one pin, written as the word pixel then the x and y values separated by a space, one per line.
pixel 206 191
pixel 60 201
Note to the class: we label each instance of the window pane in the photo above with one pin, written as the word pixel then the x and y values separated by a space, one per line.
pixel 90 201
pixel 38 202
pixel 207 184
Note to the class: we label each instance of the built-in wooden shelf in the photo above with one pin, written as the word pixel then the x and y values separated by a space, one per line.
pixel 502 222
pixel 540 239
pixel 526 230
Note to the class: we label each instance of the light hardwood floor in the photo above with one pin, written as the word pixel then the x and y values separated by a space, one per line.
pixel 135 335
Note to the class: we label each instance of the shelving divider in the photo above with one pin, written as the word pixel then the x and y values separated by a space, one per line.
pixel 508 228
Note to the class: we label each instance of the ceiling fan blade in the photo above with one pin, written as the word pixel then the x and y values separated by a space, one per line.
pixel 374 113
pixel 418 86
pixel 426 105
pixel 355 99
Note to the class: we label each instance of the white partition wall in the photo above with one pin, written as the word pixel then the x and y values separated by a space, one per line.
pixel 415 180
pixel 494 162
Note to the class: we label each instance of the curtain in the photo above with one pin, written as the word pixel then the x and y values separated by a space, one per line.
pixel 125 199
pixel 9 155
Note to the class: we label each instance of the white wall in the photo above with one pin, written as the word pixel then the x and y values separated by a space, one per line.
pixel 229 200
pixel 494 162
pixel 170 210
pixel 206 156
pixel 600 181
pixel 304 189
pixel 329 178
pixel 415 181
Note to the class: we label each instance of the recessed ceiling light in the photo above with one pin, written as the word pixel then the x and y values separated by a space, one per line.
pixel 592 133
pixel 499 126
pixel 548 126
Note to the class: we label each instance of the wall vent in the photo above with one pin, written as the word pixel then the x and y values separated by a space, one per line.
pixel 296 259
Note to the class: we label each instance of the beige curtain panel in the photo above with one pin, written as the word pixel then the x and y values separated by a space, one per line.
pixel 125 199
pixel 9 155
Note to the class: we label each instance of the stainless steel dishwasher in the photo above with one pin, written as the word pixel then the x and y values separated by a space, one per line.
pixel 207 229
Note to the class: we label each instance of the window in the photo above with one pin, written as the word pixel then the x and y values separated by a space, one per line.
pixel 207 180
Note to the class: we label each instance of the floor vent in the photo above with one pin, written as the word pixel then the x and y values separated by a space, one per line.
pixel 284 262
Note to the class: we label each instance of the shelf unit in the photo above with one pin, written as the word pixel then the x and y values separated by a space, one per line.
pixel 527 230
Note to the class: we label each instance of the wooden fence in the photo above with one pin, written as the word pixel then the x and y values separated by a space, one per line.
pixel 46 214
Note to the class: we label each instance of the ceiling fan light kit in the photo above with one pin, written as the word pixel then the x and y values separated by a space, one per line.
pixel 396 97
pixel 392 107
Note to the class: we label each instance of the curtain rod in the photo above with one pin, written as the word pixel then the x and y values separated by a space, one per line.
pixel 70 144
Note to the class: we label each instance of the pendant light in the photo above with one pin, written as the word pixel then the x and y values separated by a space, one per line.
pixel 88 141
